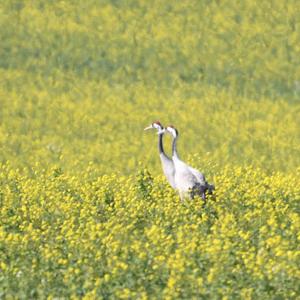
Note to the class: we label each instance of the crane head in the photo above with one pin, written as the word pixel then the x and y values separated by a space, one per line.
pixel 172 130
pixel 156 125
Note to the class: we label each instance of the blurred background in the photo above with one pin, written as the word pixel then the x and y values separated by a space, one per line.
pixel 79 80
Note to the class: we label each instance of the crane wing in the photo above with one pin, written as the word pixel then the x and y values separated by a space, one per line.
pixel 200 177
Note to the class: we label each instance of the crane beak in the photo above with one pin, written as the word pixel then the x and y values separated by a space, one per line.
pixel 149 127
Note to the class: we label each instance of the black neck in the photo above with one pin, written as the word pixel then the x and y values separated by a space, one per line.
pixel 160 143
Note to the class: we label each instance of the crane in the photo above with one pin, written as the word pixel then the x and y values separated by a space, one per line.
pixel 166 162
pixel 188 181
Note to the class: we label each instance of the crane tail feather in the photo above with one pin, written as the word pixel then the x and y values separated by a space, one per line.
pixel 202 190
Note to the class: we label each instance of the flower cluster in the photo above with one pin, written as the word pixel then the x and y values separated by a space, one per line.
pixel 130 237
pixel 82 77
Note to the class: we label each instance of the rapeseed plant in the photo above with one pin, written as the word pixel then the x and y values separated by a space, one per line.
pixel 61 236
pixel 81 217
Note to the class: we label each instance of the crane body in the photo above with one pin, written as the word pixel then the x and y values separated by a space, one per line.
pixel 188 181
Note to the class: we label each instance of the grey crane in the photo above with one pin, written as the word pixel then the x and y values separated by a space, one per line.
pixel 166 162
pixel 188 181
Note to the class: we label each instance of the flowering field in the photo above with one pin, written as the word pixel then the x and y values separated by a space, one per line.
pixel 84 209
pixel 129 237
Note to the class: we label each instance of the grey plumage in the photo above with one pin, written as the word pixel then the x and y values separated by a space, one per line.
pixel 188 181
pixel 166 162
